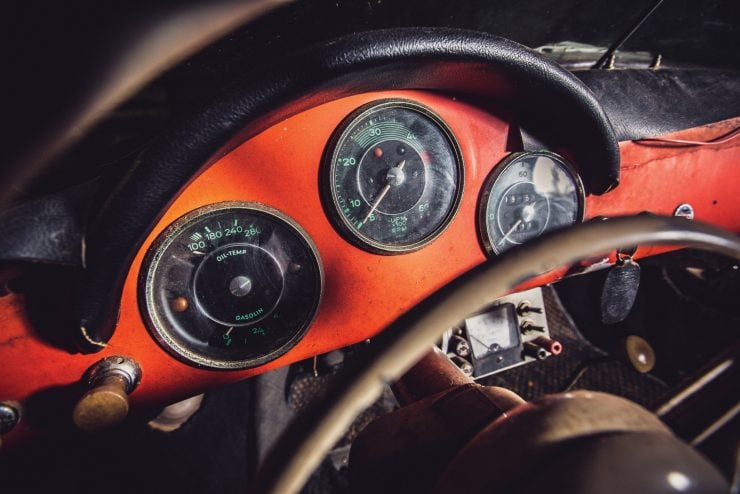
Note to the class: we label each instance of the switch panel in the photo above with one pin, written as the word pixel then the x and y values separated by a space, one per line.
pixel 510 332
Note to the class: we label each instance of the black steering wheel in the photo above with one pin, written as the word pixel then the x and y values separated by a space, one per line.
pixel 307 440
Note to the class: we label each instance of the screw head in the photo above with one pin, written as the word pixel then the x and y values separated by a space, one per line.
pixel 685 210
pixel 9 417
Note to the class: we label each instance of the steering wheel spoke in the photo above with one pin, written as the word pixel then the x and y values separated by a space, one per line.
pixel 305 443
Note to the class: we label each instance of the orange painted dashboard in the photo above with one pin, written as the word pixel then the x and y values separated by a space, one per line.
pixel 364 292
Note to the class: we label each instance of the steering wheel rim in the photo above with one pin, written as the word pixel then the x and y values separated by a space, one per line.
pixel 305 442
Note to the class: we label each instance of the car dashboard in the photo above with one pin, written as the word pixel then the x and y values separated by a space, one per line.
pixel 270 207
pixel 363 291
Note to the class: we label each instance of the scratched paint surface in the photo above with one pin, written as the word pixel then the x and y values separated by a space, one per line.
pixel 364 292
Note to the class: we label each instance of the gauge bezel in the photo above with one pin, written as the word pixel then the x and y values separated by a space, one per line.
pixel 327 169
pixel 498 170
pixel 159 328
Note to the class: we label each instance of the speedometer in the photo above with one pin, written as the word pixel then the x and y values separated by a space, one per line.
pixel 526 195
pixel 392 177
pixel 231 285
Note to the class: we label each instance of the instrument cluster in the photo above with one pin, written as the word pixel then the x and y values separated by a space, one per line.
pixel 234 285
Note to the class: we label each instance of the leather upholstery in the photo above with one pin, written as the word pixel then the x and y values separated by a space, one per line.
pixel 649 103
pixel 48 229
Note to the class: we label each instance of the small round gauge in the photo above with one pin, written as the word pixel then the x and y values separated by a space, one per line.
pixel 231 286
pixel 392 177
pixel 526 195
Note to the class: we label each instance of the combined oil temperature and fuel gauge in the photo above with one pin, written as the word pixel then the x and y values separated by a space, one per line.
pixel 231 286
pixel 526 195
pixel 392 177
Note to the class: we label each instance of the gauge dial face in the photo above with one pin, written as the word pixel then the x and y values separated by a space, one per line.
pixel 393 177
pixel 231 286
pixel 527 195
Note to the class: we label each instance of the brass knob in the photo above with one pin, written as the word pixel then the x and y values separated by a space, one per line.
pixel 639 354
pixel 106 403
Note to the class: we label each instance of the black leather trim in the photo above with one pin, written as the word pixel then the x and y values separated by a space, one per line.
pixel 648 103
pixel 47 230
pixel 549 101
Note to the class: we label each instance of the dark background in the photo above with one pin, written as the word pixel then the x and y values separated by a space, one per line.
pixel 54 49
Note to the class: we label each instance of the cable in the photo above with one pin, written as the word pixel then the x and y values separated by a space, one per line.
pixel 683 142
pixel 606 59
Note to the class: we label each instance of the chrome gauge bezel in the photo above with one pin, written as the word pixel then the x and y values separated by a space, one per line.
pixel 154 320
pixel 488 186
pixel 329 196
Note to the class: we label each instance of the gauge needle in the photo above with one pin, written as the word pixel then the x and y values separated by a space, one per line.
pixel 480 341
pixel 381 196
pixel 528 213
pixel 511 230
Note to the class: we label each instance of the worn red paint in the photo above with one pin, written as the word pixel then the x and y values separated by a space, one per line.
pixel 364 292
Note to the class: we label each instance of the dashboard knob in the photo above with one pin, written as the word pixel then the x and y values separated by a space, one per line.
pixel 639 354
pixel 106 403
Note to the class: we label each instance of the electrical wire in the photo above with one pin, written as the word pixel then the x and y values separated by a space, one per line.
pixel 652 141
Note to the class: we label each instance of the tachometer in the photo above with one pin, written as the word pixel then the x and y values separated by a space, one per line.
pixel 392 177
pixel 231 286
pixel 527 195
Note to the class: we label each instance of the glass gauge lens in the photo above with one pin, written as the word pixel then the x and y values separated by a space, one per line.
pixel 394 177
pixel 527 195
pixel 231 286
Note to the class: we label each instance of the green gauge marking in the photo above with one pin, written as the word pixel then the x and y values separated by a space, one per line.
pixel 394 177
